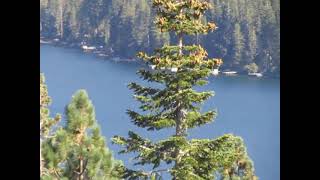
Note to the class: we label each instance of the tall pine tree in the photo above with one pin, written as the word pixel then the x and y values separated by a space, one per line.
pixel 179 68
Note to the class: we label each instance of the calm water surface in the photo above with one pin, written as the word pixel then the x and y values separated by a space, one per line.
pixel 248 107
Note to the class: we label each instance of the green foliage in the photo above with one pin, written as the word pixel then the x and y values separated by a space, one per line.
pixel 238 44
pixel 248 29
pixel 177 105
pixel 46 122
pixel 78 150
pixel 170 17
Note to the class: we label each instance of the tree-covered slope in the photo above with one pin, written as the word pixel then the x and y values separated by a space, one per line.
pixel 248 30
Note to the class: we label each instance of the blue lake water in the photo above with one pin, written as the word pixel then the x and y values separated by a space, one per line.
pixel 248 107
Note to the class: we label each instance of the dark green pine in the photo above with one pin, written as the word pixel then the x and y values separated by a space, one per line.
pixel 179 68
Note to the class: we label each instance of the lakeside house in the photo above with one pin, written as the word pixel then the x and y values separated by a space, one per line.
pixel 85 47
pixel 230 72
pixel 255 74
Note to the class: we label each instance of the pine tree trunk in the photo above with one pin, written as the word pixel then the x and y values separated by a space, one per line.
pixel 81 169
pixel 180 35
pixel 79 140
pixel 180 131
pixel 180 111
pixel 180 127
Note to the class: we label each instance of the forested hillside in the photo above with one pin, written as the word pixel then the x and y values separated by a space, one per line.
pixel 248 30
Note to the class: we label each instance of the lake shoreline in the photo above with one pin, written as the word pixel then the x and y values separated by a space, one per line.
pixel 101 53
pixel 105 55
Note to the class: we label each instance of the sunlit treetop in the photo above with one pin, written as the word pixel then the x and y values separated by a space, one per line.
pixel 182 16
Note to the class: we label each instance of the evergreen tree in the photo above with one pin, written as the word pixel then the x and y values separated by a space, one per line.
pixel 46 122
pixel 238 44
pixel 78 150
pixel 140 29
pixel 179 68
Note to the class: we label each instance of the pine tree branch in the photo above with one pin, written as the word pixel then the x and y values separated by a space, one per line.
pixel 57 174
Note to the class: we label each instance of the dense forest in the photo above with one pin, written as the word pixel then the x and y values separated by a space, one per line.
pixel 248 30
